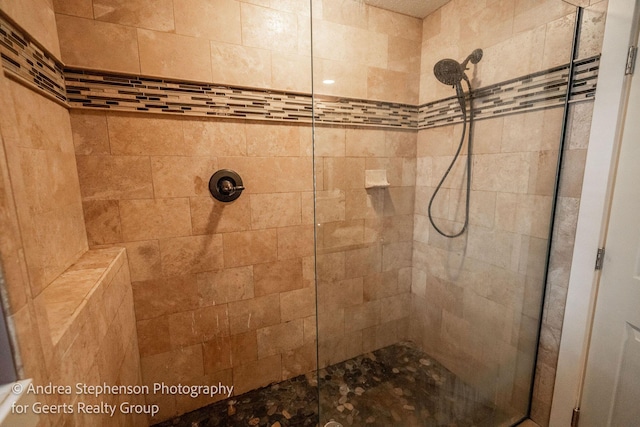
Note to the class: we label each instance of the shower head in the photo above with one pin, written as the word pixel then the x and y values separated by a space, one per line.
pixel 450 72
pixel 475 57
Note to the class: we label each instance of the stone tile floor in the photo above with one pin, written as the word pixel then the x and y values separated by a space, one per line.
pixel 394 386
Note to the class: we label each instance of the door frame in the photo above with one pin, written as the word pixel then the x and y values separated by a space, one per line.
pixel 604 142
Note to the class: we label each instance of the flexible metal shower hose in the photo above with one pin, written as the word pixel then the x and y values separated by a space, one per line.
pixel 461 100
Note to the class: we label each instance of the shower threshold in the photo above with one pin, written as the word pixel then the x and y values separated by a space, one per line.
pixel 395 386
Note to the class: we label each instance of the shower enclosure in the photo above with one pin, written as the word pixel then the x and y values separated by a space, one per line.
pixel 378 249
pixel 416 327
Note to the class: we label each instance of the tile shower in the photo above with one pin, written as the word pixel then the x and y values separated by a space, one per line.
pixel 307 269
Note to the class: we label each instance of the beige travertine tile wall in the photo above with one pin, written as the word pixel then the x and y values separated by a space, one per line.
pixel 95 344
pixel 42 222
pixel 364 240
pixel 223 292
pixel 40 166
pixel 561 255
pixel 518 37
pixel 43 234
pixel 370 53
pixel 144 179
pixel 226 292
pixel 476 302
pixel 37 18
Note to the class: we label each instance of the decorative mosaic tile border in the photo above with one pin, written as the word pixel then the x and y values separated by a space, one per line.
pixel 23 58
pixel 116 92
pixel 535 91
pixel 361 112
pixel 86 89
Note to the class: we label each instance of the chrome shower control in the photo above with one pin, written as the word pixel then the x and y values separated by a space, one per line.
pixel 225 185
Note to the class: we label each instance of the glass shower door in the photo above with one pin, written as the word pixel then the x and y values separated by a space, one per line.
pixel 415 328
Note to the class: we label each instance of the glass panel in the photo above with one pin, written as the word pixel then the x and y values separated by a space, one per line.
pixel 415 328
pixel 8 371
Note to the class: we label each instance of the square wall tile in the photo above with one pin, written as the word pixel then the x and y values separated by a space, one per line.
pixel 275 210
pixel 228 285
pixel 114 177
pixel 257 374
pixel 214 138
pixel 276 277
pixel 191 254
pixel 174 56
pixel 173 367
pixel 254 314
pixel 136 135
pixel 86 43
pixel 217 20
pixel 273 140
pixel 90 134
pixel 279 338
pixel 209 216
pixel 149 219
pixel 150 14
pixel 269 29
pixel 37 18
pixel 144 260
pixel 250 247
pixel 163 296
pixel 102 219
pixel 175 176
pixel 235 64
pixel 297 304
pixel 217 354
pixel 199 326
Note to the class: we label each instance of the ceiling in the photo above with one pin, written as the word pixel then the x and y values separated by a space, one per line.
pixel 417 8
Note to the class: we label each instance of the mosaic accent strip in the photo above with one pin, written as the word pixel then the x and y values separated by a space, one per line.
pixel 25 59
pixel 361 112
pixel 100 90
pixel 532 92
pixel 544 89
pixel 87 89
pixel 124 93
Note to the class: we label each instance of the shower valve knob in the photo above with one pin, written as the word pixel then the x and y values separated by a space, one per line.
pixel 226 185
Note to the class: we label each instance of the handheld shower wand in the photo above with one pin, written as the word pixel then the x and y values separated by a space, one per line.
pixel 450 72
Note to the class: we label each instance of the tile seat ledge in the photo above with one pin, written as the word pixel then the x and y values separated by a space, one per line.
pixel 77 294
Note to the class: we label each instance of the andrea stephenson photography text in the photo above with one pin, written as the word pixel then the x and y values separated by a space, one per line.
pixel 104 389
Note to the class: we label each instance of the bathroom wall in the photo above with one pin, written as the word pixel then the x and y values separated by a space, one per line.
pixel 43 227
pixel 143 181
pixel 578 129
pixel 223 292
pixel 363 240
pixel 43 235
pixel 476 301
pixel 40 166
pixel 226 293
pixel 363 235
pixel 261 44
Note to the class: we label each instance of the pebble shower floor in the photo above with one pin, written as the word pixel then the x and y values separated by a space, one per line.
pixel 394 386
